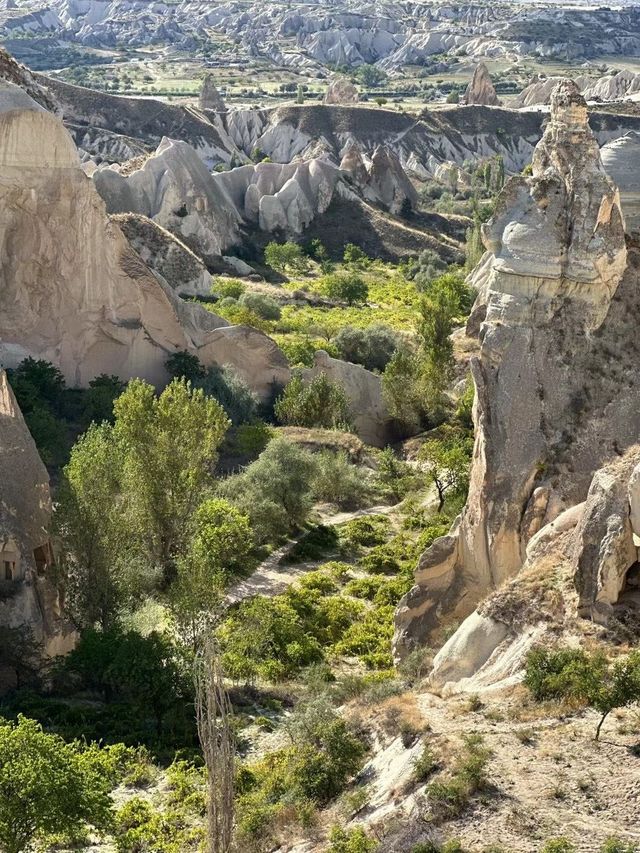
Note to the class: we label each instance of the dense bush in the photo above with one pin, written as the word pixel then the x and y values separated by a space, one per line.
pixel 351 841
pixel 286 256
pixel 264 306
pixel 365 531
pixel 275 490
pixel 232 392
pixel 347 287
pixel 579 676
pixel 372 347
pixel 338 481
pixel 224 287
pixel 319 403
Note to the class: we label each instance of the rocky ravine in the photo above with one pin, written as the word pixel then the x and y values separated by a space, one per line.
pixel 556 396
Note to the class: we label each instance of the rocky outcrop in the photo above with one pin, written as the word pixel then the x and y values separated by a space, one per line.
pixel 210 97
pixel 481 90
pixel 19 75
pixel 611 87
pixel 353 164
pixel 207 211
pixel 28 597
pixel 388 184
pixel 621 160
pixel 341 91
pixel 183 270
pixel 363 389
pixel 74 292
pixel 557 256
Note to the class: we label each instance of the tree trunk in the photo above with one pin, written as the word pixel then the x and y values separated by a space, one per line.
pixel 214 716
pixel 602 719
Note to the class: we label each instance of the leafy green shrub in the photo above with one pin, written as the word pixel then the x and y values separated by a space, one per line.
pixel 231 391
pixel 395 477
pixel 264 306
pixel 558 845
pixel 266 638
pixel 379 561
pixel 365 531
pixel 339 482
pixel 448 798
pixel 185 365
pixel 313 545
pixel 616 845
pixel 224 287
pixel 372 347
pixel 320 403
pixel 323 756
pixel 354 256
pixel 351 841
pixel 369 638
pixel 139 828
pixel 274 490
pixel 425 764
pixel 364 587
pixel 251 439
pixel 48 786
pixel 345 287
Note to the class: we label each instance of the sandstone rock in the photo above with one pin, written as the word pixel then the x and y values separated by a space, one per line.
pixel 28 598
pixel 388 183
pixel 371 418
pixel 210 97
pixel 621 161
pixel 74 292
pixel 19 76
pixel 481 90
pixel 557 256
pixel 353 164
pixel 183 271
pixel 604 548
pixel 341 91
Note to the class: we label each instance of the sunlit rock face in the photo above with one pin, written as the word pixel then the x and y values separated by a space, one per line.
pixel 481 90
pixel 548 316
pixel 72 290
pixel 621 160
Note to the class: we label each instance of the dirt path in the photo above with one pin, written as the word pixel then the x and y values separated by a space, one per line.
pixel 271 577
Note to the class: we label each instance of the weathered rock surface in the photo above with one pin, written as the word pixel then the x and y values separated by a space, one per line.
pixel 388 183
pixel 183 270
pixel 210 97
pixel 74 292
pixel 28 598
pixel 621 160
pixel 481 90
pixel 544 421
pixel 353 164
pixel 370 415
pixel 342 91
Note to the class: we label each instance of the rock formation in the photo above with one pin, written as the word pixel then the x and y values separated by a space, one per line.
pixel 353 164
pixel 210 97
pixel 162 252
pixel 621 160
pixel 72 290
pixel 28 598
pixel 543 416
pixel 481 90
pixel 207 212
pixel 20 76
pixel 371 417
pixel 387 183
pixel 341 91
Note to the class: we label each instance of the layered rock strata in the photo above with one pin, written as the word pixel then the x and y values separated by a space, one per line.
pixel 552 304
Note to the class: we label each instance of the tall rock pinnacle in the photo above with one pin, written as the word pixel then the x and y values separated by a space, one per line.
pixel 210 97
pixel 481 89
pixel 556 256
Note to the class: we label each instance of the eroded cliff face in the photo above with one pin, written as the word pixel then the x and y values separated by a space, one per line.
pixel 555 394
pixel 28 598
pixel 72 290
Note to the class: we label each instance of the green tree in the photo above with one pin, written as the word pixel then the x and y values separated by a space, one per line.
pixel 319 403
pixel 286 256
pixel 371 76
pixel 575 674
pixel 355 257
pixel 220 541
pixel 88 523
pixel 46 786
pixel 102 393
pixel 185 365
pixel 170 445
pixel 351 841
pixel 448 461
pixel 346 287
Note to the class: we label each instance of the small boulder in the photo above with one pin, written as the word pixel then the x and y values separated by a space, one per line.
pixel 342 91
